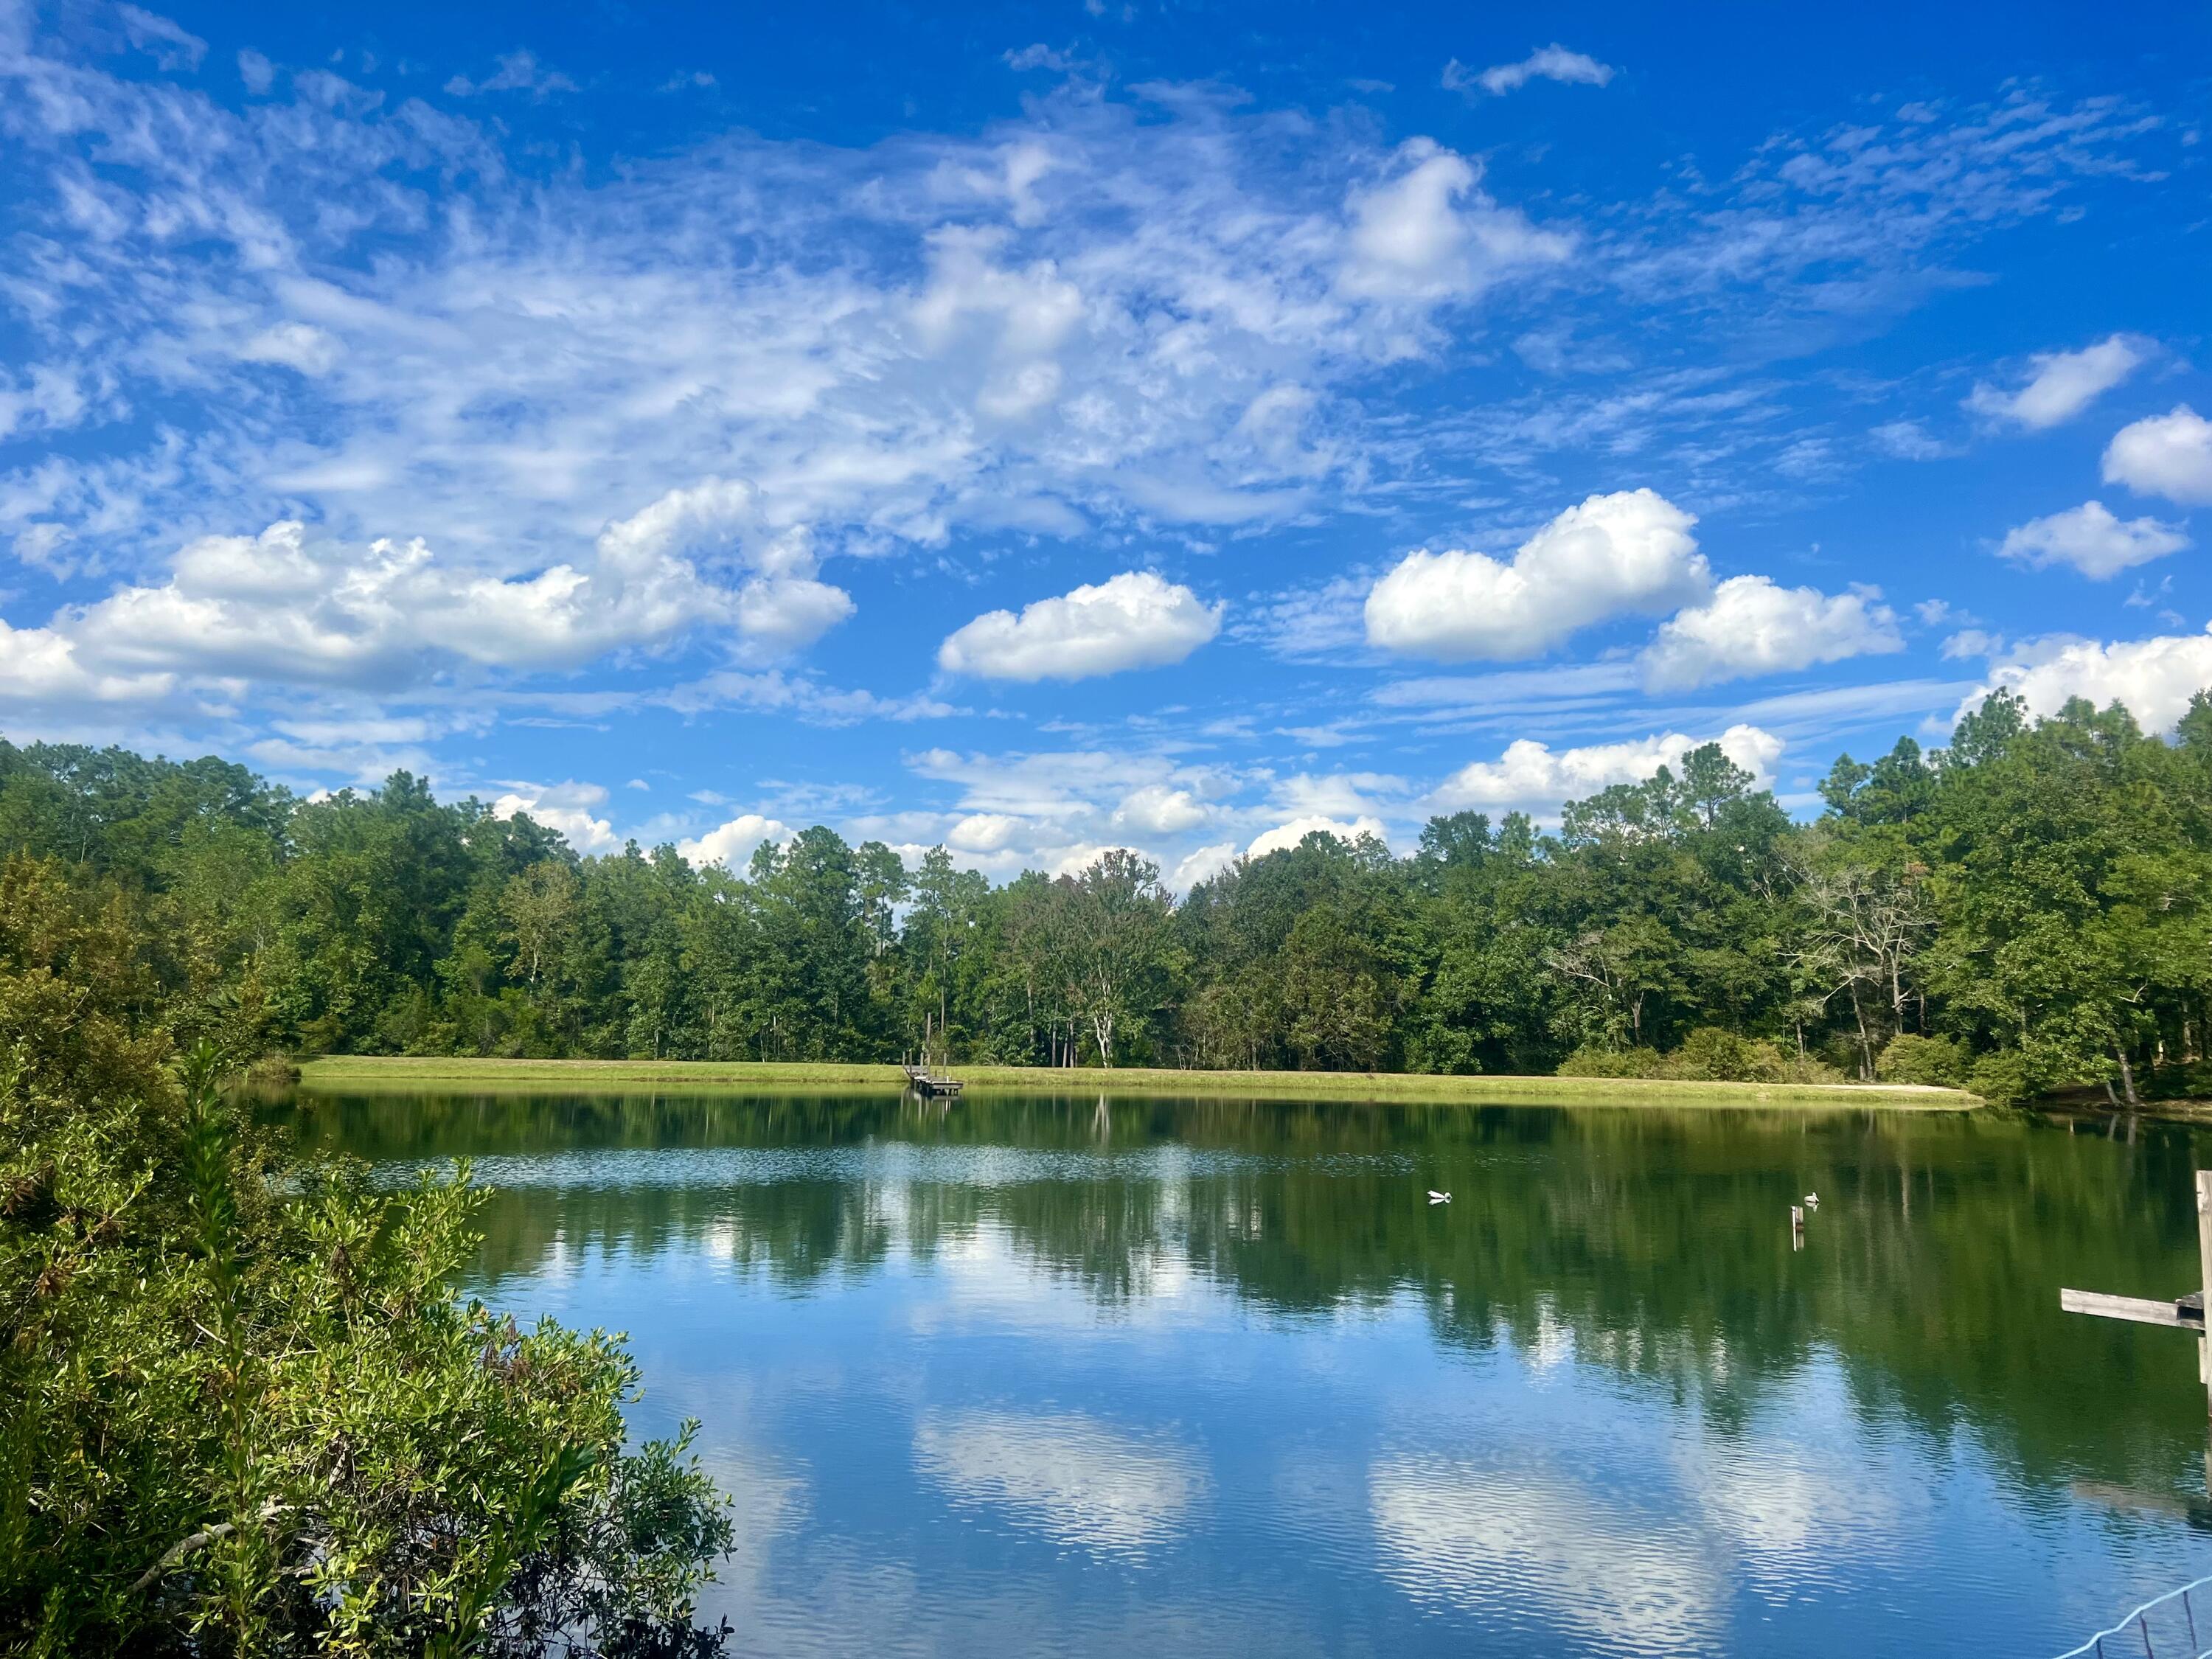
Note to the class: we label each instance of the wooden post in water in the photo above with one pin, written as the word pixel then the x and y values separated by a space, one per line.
pixel 2205 1293
pixel 2184 1313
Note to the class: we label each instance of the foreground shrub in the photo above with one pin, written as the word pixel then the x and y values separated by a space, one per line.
pixel 242 1409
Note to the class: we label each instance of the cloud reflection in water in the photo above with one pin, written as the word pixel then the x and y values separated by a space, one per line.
pixel 1483 1539
pixel 1077 1480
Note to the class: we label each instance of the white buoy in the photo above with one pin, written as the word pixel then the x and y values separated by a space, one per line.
pixel 1811 1200
pixel 1436 1197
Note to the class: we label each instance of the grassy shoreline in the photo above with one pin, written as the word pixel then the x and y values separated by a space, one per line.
pixel 360 1073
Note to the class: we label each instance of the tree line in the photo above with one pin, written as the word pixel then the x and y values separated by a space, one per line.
pixel 2023 911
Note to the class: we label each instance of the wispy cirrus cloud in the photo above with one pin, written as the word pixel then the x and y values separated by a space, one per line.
pixel 515 71
pixel 1552 63
pixel 651 433
pixel 984 346
pixel 887 344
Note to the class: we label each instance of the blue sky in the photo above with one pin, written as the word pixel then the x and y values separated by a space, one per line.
pixel 1077 425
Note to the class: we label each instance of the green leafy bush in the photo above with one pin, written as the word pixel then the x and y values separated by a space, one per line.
pixel 242 1409
pixel 272 1072
pixel 1909 1059
pixel 2004 1078
pixel 1711 1055
pixel 1707 1056
pixel 1591 1060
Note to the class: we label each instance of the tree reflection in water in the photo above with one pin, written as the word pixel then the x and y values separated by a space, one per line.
pixel 1654 1241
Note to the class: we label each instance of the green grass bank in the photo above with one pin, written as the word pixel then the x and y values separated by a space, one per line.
pixel 360 1073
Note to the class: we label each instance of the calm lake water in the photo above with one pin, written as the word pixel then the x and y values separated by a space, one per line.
pixel 1063 1375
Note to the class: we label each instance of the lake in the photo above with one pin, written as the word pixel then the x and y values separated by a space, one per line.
pixel 1066 1375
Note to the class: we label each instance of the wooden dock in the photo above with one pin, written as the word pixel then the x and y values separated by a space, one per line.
pixel 2184 1313
pixel 2180 1313
pixel 923 1082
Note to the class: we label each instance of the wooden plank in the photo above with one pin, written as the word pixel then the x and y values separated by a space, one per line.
pixel 2204 1226
pixel 2204 1271
pixel 2135 1308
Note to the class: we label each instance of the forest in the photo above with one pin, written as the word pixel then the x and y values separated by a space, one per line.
pixel 2023 911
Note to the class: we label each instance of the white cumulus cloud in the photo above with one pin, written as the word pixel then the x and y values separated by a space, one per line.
pixel 286 606
pixel 731 844
pixel 787 612
pixel 2168 455
pixel 1203 865
pixel 986 832
pixel 1285 836
pixel 1627 553
pixel 2062 383
pixel 1135 620
pixel 565 807
pixel 2154 678
pixel 1161 810
pixel 2089 538
pixel 1074 860
pixel 1533 777
pixel 41 667
pixel 290 607
pixel 1429 233
pixel 1753 625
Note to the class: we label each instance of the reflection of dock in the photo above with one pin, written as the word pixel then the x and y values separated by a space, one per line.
pixel 920 1080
